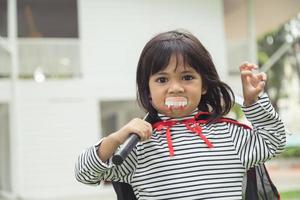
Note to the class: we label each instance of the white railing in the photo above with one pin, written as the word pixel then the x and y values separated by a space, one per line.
pixel 55 58
pixel 4 62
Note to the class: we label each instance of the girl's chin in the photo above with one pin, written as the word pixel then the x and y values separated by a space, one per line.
pixel 177 112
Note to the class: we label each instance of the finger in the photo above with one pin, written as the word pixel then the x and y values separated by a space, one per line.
pixel 244 64
pixel 143 136
pixel 142 128
pixel 141 124
pixel 147 124
pixel 260 86
pixel 262 76
pixel 147 129
pixel 248 66
pixel 146 135
pixel 145 132
pixel 245 75
pixel 149 132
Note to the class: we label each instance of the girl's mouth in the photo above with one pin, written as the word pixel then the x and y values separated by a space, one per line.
pixel 176 103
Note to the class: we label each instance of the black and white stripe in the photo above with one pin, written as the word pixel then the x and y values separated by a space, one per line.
pixel 195 172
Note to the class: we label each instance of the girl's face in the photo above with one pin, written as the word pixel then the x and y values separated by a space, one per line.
pixel 176 91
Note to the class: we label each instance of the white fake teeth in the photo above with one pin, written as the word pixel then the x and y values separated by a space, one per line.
pixel 175 102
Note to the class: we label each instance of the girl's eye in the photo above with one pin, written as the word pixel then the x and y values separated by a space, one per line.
pixel 161 80
pixel 187 77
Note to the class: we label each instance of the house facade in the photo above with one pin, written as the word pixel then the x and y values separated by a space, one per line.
pixel 51 100
pixel 67 78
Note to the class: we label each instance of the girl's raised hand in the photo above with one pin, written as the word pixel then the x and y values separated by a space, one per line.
pixel 253 83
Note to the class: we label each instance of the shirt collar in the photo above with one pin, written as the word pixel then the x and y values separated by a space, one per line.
pixel 163 117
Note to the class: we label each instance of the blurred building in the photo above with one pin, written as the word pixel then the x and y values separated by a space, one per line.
pixel 67 76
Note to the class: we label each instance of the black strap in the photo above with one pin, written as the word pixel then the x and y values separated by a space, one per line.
pixel 251 189
pixel 124 191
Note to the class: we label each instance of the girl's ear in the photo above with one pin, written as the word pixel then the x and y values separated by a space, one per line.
pixel 204 87
pixel 150 99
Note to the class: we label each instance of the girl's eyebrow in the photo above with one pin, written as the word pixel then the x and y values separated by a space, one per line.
pixel 189 71
pixel 160 73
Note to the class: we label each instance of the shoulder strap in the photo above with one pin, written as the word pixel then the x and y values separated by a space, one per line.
pixel 124 191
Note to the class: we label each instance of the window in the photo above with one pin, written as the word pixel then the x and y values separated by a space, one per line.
pixel 4 54
pixel 50 58
pixel 115 114
pixel 5 63
pixel 47 18
pixel 48 40
pixel 3 18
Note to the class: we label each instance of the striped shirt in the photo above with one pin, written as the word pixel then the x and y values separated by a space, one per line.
pixel 195 171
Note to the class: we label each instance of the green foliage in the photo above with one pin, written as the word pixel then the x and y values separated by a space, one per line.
pixel 268 44
pixel 290 195
pixel 291 152
pixel 263 57
pixel 237 110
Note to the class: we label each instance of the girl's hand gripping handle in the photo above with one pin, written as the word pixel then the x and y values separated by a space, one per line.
pixel 127 147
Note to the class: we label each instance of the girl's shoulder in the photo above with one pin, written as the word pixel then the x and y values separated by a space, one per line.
pixel 232 121
pixel 206 118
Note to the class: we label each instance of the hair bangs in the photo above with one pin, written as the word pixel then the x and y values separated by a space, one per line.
pixel 164 51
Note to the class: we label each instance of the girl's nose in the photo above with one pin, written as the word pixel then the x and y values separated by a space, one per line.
pixel 175 87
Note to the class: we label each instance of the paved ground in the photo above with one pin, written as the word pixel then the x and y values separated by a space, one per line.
pixel 285 174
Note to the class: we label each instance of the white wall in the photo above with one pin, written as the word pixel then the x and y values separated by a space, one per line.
pixel 58 119
pixel 114 33
pixel 5 91
pixel 52 119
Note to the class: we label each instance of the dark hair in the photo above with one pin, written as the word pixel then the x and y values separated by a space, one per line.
pixel 155 57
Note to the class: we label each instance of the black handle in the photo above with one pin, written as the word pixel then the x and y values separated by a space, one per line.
pixel 126 148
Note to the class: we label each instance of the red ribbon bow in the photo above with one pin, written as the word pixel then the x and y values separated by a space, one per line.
pixel 191 124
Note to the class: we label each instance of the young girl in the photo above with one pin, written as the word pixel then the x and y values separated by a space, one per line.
pixel 191 152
